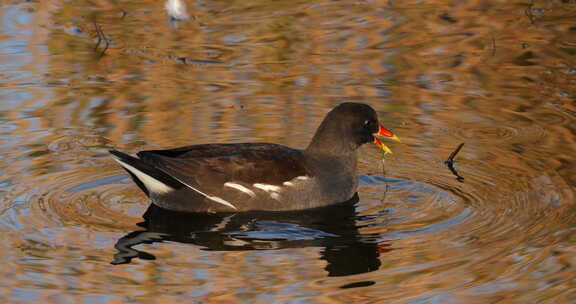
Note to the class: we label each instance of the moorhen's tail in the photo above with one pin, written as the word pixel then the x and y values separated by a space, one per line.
pixel 149 178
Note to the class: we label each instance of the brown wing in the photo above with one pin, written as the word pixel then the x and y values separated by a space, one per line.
pixel 209 166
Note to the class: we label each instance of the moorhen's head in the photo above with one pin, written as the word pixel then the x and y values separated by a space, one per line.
pixel 347 127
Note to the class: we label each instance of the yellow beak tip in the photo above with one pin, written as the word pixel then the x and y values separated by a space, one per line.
pixel 386 149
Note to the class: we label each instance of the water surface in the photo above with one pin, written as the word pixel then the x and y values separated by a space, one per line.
pixel 80 77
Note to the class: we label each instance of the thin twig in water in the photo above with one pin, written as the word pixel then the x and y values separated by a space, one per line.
pixel 450 163
pixel 101 36
pixel 385 183
pixel 493 46
pixel 453 154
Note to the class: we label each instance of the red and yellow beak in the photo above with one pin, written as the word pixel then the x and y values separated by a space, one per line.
pixel 383 132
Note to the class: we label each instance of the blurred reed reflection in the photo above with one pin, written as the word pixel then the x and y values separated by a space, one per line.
pixel 332 228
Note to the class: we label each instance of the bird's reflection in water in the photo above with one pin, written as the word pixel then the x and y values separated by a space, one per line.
pixel 333 228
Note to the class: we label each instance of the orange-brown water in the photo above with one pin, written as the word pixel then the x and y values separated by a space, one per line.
pixel 499 76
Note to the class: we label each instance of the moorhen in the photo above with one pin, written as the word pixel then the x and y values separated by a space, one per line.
pixel 260 176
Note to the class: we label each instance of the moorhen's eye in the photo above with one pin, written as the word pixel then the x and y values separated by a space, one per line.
pixel 369 123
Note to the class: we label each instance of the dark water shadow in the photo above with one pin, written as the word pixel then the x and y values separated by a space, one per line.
pixel 333 228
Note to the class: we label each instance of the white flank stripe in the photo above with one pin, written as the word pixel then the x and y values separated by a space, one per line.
pixel 152 184
pixel 288 184
pixel 267 188
pixel 241 188
pixel 213 198
pixel 302 177
pixel 219 200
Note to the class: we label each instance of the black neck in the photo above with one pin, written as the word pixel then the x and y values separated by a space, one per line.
pixel 332 138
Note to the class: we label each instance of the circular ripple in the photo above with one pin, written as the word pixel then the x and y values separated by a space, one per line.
pixel 447 229
pixel 496 134
pixel 413 208
pixel 96 196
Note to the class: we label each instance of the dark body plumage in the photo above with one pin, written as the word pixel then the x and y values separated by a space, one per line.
pixel 258 176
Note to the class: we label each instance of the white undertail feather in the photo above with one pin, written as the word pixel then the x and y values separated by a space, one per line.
pixel 153 185
pixel 240 188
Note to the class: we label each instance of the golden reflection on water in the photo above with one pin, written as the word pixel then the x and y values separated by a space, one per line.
pixel 496 75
